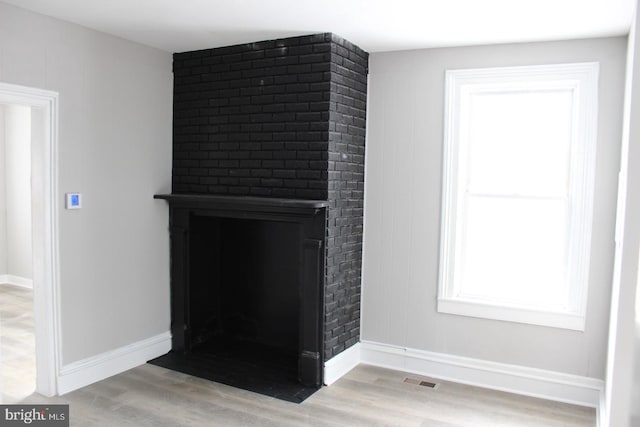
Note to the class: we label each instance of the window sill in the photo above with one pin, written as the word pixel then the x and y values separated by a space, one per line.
pixel 563 320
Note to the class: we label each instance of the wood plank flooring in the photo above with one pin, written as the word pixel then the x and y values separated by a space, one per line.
pixel 367 396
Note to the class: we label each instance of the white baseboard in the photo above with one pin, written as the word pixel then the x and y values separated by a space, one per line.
pixel 96 368
pixel 540 383
pixel 340 364
pixel 9 279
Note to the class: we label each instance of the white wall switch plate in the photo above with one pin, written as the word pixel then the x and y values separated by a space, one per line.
pixel 74 201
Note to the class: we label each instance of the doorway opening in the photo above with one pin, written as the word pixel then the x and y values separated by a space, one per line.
pixel 33 112
pixel 17 337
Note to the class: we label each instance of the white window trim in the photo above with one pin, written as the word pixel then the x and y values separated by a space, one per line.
pixel 583 78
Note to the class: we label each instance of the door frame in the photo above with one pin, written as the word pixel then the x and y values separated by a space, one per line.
pixel 44 204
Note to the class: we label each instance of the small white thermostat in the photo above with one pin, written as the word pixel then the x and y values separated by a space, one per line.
pixel 74 201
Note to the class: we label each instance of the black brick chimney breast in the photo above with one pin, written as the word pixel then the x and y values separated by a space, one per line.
pixel 282 119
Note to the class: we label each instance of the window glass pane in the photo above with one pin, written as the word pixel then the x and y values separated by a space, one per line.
pixel 518 142
pixel 513 251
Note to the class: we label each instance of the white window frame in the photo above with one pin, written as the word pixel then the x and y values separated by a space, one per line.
pixel 582 80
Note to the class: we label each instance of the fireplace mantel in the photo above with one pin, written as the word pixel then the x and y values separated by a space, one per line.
pixel 243 203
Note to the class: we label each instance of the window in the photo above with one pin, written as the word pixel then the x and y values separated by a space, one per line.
pixel 519 163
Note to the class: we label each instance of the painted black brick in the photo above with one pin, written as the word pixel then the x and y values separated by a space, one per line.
pixel 255 97
pixel 347 113
pixel 282 118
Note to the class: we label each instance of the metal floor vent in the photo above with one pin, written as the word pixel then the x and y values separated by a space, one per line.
pixel 421 382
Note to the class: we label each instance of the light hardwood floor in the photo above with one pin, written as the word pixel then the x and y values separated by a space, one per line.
pixel 17 344
pixel 366 396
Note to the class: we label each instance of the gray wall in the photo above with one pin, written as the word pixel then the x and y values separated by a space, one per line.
pixel 402 209
pixel 634 396
pixel 17 175
pixel 114 148
pixel 3 202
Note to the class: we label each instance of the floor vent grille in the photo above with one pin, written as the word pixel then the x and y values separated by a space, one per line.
pixel 421 382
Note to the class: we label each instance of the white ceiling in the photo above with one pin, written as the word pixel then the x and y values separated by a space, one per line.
pixel 374 25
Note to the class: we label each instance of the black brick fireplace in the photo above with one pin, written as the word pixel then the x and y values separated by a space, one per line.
pixel 267 203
